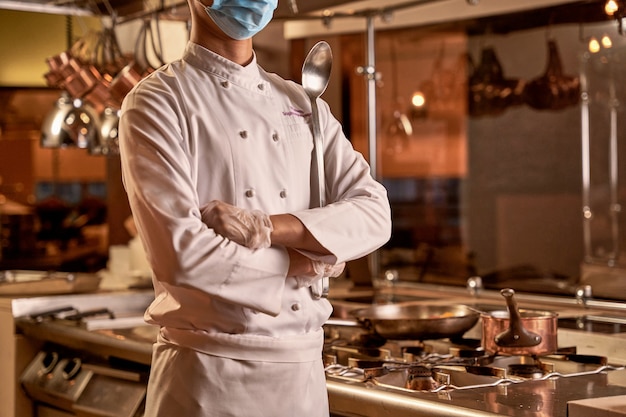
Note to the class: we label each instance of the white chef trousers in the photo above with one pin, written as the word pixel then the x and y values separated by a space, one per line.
pixel 187 383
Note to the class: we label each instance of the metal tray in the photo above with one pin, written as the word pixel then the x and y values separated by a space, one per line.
pixel 25 282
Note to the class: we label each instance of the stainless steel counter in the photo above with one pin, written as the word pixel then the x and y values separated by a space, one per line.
pixel 543 398
pixel 532 398
pixel 540 398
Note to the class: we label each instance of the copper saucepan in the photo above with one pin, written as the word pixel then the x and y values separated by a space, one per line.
pixel 519 331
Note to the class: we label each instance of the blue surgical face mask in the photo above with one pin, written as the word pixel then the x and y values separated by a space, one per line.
pixel 242 19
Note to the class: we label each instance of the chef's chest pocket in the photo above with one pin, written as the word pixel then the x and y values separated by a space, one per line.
pixel 300 143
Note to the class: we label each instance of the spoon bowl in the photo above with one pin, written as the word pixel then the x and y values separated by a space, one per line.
pixel 316 69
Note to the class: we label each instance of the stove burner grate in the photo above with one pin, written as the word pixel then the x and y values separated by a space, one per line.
pixel 420 368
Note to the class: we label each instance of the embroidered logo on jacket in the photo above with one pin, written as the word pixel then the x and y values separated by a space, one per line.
pixel 296 112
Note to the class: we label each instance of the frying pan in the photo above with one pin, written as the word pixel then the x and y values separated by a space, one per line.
pixel 416 321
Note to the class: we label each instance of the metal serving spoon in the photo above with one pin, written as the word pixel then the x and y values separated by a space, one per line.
pixel 315 76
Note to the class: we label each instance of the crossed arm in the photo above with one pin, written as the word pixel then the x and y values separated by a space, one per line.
pixel 257 230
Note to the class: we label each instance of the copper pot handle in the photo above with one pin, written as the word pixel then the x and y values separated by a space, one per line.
pixel 516 335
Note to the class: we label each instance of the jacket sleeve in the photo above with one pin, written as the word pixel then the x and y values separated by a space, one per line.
pixel 357 218
pixel 181 249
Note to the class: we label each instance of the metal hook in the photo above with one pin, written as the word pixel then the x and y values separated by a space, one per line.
pixel 293 6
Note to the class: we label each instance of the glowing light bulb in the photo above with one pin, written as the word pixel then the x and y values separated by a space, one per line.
pixel 610 7
pixel 606 41
pixel 418 99
pixel 594 45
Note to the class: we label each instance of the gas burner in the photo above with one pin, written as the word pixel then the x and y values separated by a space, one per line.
pixel 529 371
pixel 410 352
pixel 419 378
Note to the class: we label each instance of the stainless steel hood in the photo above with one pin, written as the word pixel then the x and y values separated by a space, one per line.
pixel 75 7
pixel 504 15
pixel 308 16
pixel 128 8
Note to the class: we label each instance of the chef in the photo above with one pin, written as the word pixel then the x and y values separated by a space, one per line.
pixel 216 162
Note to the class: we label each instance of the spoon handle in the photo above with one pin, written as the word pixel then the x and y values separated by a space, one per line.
pixel 321 288
pixel 318 143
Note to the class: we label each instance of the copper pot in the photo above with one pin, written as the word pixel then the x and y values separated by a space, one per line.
pixel 100 96
pixel 61 66
pixel 124 81
pixel 81 82
pixel 519 332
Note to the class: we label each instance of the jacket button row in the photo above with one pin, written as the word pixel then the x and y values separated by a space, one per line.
pixel 261 87
pixel 244 135
pixel 251 193
pixel 295 307
pixel 225 84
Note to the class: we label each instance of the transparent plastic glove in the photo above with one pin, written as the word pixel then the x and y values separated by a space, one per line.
pixel 321 270
pixel 250 228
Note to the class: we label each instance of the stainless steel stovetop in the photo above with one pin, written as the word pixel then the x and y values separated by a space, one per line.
pixel 442 378
pixel 456 378
pixel 409 378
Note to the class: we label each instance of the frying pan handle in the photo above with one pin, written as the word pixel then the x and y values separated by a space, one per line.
pixel 342 322
pixel 363 323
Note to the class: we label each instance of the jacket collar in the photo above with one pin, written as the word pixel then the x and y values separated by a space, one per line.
pixel 248 76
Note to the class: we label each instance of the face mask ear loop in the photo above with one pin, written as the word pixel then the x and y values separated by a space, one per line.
pixel 157 46
pixel 140 49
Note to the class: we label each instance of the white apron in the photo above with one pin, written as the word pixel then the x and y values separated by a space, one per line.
pixel 187 383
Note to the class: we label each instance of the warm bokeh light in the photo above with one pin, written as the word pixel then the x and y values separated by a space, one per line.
pixel 610 7
pixel 418 99
pixel 594 45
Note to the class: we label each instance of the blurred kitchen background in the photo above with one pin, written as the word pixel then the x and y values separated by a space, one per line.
pixel 497 126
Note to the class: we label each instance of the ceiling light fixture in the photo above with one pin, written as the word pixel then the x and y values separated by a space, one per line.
pixel 71 123
pixel 40 7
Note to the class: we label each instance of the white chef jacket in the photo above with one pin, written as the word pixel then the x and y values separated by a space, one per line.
pixel 204 128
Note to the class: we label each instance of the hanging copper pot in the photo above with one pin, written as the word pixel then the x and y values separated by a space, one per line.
pixel 54 77
pixel 100 96
pixel 553 90
pixel 81 82
pixel 124 81
pixel 490 93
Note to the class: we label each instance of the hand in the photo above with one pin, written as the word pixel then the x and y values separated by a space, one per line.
pixel 306 271
pixel 328 270
pixel 250 228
